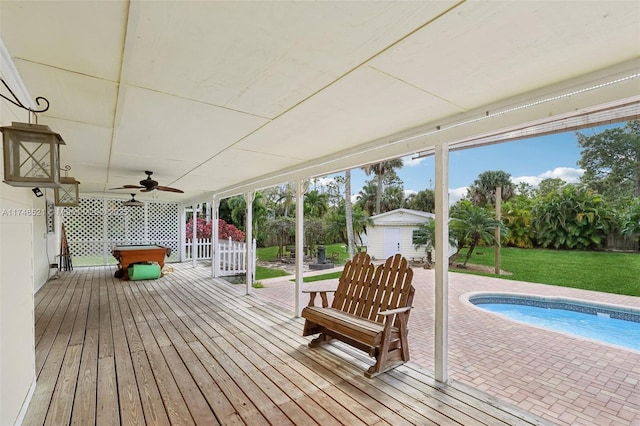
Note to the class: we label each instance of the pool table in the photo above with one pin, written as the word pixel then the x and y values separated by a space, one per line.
pixel 126 255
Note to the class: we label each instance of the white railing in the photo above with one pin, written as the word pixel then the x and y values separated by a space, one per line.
pixel 233 254
pixel 203 249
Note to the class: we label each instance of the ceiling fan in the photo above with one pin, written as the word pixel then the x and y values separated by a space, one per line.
pixel 148 185
pixel 133 202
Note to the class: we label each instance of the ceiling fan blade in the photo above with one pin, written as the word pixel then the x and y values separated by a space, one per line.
pixel 128 187
pixel 169 189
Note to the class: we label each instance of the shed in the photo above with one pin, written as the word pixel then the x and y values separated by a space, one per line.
pixel 392 232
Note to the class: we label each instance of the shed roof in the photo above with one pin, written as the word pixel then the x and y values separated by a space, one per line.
pixel 400 217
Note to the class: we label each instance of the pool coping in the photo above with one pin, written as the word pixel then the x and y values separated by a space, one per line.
pixel 621 312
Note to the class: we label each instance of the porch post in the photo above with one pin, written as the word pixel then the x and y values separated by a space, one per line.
pixel 194 234
pixel 215 246
pixel 299 245
pixel 442 263
pixel 248 238
pixel 183 233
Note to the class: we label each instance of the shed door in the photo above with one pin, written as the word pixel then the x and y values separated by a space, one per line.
pixel 391 241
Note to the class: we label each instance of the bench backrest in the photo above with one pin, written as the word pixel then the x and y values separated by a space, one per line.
pixel 365 290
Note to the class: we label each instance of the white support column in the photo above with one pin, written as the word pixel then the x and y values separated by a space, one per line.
pixel 248 237
pixel 299 244
pixel 215 246
pixel 442 263
pixel 183 233
pixel 194 234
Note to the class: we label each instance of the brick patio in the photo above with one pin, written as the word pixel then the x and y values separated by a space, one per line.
pixel 568 380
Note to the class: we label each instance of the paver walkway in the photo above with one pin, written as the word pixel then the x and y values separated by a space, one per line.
pixel 568 380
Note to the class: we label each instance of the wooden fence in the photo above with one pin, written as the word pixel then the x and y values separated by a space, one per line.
pixel 233 254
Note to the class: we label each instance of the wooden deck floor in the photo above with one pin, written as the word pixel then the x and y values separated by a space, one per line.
pixel 187 349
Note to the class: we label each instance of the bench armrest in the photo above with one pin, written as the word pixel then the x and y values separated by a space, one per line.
pixel 318 290
pixel 323 287
pixel 395 311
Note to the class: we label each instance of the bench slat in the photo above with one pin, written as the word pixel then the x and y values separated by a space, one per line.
pixel 364 291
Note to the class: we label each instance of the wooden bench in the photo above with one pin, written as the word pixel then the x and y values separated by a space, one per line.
pixel 370 311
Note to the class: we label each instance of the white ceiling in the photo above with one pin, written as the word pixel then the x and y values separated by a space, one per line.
pixel 230 96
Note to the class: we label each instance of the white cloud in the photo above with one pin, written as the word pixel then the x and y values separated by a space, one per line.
pixel 408 192
pixel 531 180
pixel 456 194
pixel 410 161
pixel 567 174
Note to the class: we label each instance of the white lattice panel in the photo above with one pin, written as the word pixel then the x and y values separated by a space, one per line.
pixel 96 226
pixel 164 227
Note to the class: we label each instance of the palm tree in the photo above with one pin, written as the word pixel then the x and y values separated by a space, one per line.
pixel 483 189
pixel 474 225
pixel 238 206
pixel 380 170
pixel 286 197
pixel 425 236
pixel 337 223
pixel 367 197
pixel 315 203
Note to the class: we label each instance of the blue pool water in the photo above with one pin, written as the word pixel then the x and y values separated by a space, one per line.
pixel 597 325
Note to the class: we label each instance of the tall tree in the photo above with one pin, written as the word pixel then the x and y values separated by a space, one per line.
pixel 483 190
pixel 549 185
pixel 286 197
pixel 334 190
pixel 611 160
pixel 424 200
pixel 238 207
pixel 367 197
pixel 315 203
pixel 380 170
pixel 392 195
pixel 337 223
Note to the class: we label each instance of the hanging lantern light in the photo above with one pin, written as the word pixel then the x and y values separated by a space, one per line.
pixel 67 195
pixel 31 151
pixel 31 155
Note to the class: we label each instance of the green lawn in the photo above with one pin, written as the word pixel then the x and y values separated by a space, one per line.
pixel 268 254
pixel 590 270
pixel 262 273
pixel 327 276
pixel 600 271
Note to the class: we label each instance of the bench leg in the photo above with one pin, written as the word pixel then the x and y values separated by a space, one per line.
pixel 390 356
pixel 320 340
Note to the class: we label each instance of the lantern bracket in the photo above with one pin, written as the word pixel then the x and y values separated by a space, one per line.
pixel 17 102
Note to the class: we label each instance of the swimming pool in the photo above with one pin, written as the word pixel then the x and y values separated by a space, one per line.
pixel 617 325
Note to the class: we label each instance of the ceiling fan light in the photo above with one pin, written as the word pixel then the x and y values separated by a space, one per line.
pixel 133 202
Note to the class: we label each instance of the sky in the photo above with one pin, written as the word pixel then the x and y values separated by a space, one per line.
pixel 528 160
